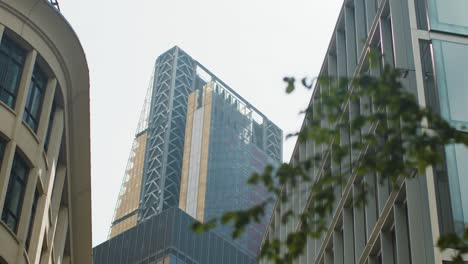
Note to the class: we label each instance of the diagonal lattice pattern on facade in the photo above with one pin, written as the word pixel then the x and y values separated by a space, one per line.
pixel 173 82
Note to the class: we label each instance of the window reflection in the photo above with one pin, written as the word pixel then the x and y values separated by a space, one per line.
pixel 12 59
pixel 15 193
pixel 35 98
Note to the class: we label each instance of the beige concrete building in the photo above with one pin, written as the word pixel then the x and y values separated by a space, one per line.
pixel 45 193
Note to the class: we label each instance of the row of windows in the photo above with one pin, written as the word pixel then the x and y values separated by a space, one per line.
pixel 15 195
pixel 12 64
pixel 12 59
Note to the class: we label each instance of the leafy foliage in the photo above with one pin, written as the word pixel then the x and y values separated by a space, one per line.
pixel 368 126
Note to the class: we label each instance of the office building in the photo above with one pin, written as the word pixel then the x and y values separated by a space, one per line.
pixel 226 140
pixel 428 40
pixel 167 238
pixel 196 140
pixel 45 193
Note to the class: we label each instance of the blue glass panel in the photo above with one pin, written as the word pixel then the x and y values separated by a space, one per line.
pixel 457 168
pixel 449 15
pixel 451 61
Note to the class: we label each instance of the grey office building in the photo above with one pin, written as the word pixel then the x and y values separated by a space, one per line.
pixel 428 40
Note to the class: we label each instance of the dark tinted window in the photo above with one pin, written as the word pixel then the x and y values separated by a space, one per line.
pixel 31 218
pixel 15 193
pixel 35 98
pixel 11 66
pixel 2 150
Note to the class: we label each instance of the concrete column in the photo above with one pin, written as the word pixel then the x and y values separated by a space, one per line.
pixel 338 247
pixel 28 199
pixel 421 243
pixel 45 111
pixel 387 248
pixel 23 87
pixel 348 235
pixel 60 234
pixel 361 27
pixel 402 41
pixel 350 29
pixel 371 8
pixel 341 53
pixel 5 171
pixel 401 233
pixel 328 258
pixel 359 226
pixel 66 260
pixel 374 260
pixel 310 250
pixel 57 190
pixel 55 138
pixel 383 192
pixel 371 205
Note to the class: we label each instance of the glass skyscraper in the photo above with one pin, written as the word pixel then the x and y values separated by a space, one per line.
pixel 226 141
pixel 196 145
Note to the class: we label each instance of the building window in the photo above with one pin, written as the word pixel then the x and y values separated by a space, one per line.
pixel 448 16
pixel 35 98
pixel 452 87
pixel 15 193
pixel 31 219
pixel 12 59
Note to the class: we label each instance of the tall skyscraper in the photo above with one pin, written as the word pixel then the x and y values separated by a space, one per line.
pixel 196 145
pixel 45 171
pixel 427 39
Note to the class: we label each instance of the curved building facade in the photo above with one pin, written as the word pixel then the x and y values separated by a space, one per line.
pixel 45 193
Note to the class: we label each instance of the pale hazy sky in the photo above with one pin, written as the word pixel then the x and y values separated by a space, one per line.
pixel 249 44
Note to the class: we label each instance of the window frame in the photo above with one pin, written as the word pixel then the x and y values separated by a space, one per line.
pixel 13 180
pixel 12 46
pixel 35 87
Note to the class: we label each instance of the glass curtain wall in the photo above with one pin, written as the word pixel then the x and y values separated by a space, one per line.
pixel 451 62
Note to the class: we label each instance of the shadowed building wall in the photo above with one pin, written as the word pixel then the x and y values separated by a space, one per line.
pixel 45 178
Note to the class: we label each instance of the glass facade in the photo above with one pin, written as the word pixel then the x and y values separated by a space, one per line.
pixel 448 15
pixel 239 145
pixel 449 58
pixel 36 93
pixel 15 193
pixel 167 238
pixel 12 59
